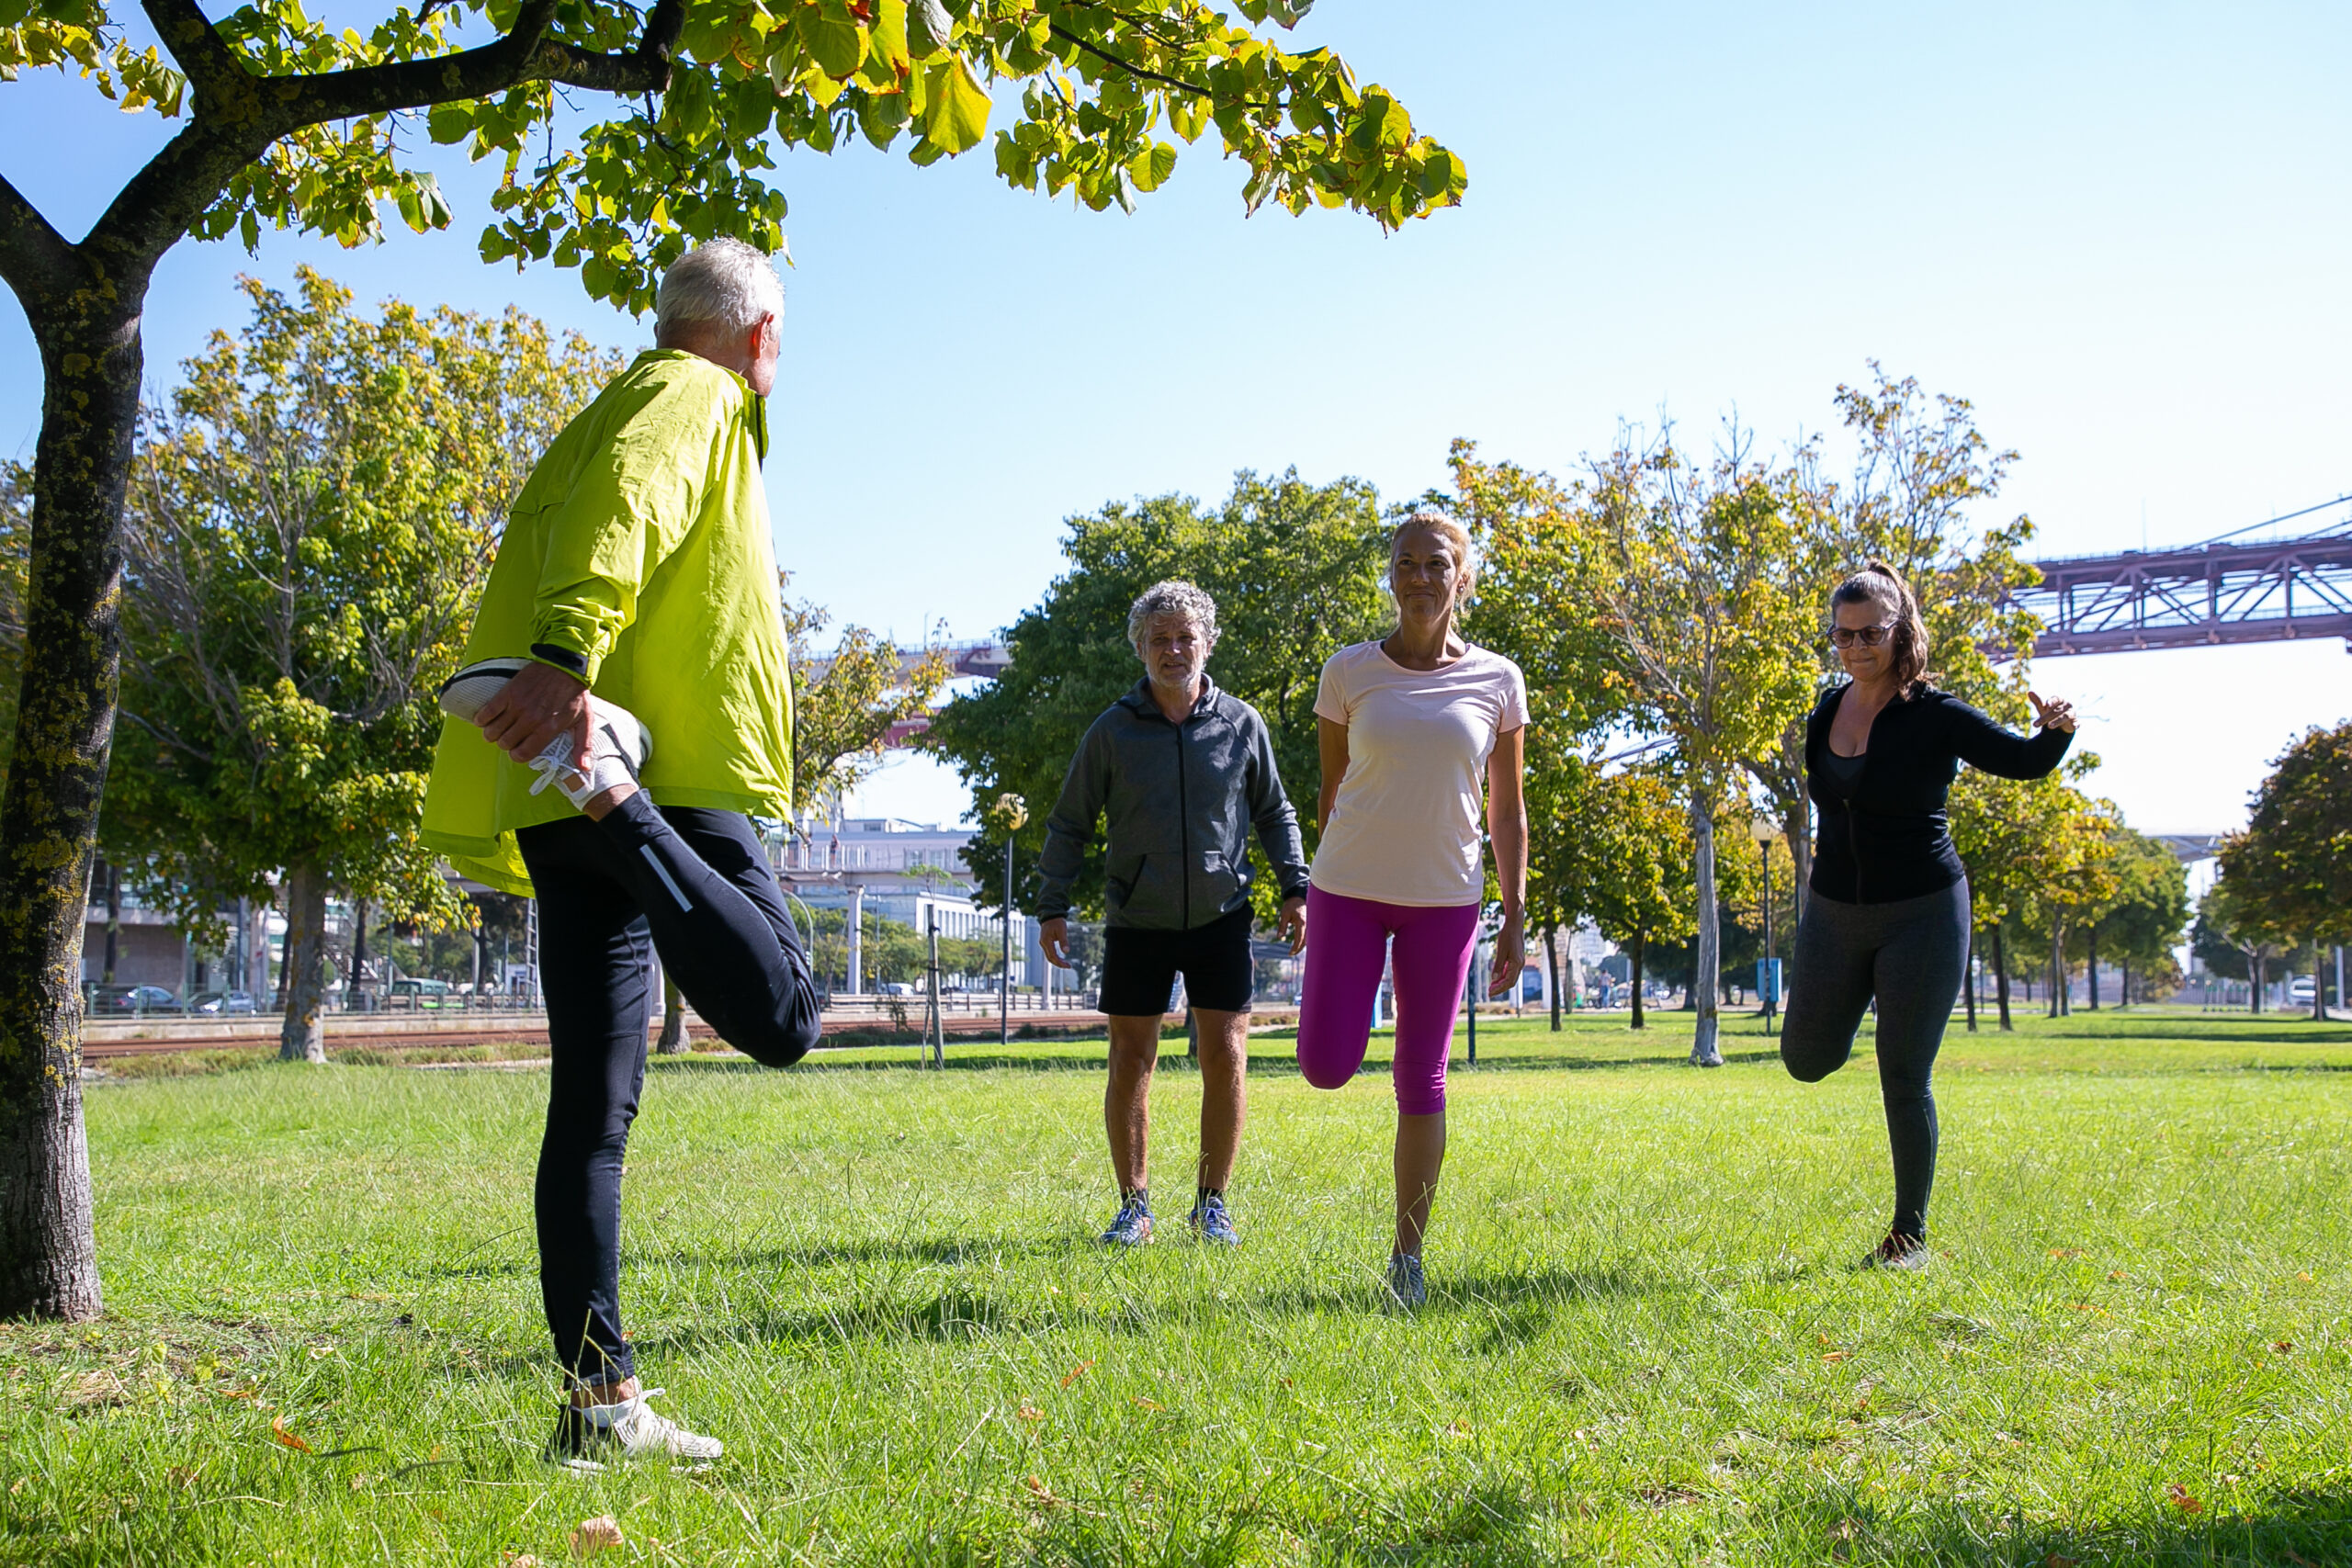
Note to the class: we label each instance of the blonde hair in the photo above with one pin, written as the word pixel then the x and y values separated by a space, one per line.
pixel 1458 539
pixel 1879 584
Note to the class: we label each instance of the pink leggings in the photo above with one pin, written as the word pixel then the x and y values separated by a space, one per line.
pixel 1346 938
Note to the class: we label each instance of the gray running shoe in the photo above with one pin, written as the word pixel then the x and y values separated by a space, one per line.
pixel 1132 1226
pixel 466 694
pixel 1407 1286
pixel 1898 1251
pixel 618 753
pixel 1211 1222
pixel 586 1446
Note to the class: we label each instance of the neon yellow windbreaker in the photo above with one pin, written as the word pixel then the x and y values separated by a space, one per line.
pixel 639 544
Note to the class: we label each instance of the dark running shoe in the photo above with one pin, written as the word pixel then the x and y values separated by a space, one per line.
pixel 1132 1226
pixel 1211 1222
pixel 1898 1251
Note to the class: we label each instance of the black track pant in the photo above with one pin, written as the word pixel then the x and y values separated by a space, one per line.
pixel 1910 955
pixel 695 885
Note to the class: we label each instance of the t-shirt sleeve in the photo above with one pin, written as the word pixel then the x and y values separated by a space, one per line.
pixel 1331 692
pixel 1513 709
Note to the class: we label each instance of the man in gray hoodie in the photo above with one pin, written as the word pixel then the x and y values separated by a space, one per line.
pixel 1183 771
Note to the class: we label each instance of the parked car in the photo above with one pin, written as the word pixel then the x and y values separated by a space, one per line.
pixel 2301 989
pixel 421 993
pixel 132 1000
pixel 223 1002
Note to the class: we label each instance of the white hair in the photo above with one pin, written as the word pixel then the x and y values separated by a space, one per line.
pixel 1172 597
pixel 721 281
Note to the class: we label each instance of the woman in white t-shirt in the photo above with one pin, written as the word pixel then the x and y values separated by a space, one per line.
pixel 1408 726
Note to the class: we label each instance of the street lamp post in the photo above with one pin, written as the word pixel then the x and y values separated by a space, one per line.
pixel 1768 977
pixel 1011 812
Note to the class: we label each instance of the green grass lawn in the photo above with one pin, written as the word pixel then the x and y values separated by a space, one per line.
pixel 1644 1341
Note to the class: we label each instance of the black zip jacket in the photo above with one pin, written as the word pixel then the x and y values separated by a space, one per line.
pixel 1888 839
pixel 1181 800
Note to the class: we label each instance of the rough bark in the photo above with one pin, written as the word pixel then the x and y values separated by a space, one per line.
pixel 1552 964
pixel 91 366
pixel 303 1036
pixel 1707 963
pixel 1968 977
pixel 2001 980
pixel 674 1019
pixel 1641 943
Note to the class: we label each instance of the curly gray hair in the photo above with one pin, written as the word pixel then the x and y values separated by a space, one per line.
pixel 1172 597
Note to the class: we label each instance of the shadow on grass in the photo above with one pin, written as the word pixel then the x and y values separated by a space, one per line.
pixel 1263 1063
pixel 779 1258
pixel 2297 1528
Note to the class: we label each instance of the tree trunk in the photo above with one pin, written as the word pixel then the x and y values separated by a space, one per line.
pixel 673 1019
pixel 1641 944
pixel 1552 964
pixel 1707 962
pixel 355 989
pixel 2057 969
pixel 114 921
pixel 303 1036
pixel 1798 827
pixel 2090 969
pixel 2123 984
pixel 1968 976
pixel 91 363
pixel 2001 980
pixel 2253 969
pixel 2318 984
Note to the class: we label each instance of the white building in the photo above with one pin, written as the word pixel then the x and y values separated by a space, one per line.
pixel 903 870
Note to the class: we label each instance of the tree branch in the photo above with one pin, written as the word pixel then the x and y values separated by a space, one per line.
pixel 1099 52
pixel 36 260
pixel 212 65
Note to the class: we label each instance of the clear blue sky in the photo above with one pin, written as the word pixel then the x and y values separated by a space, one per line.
pixel 2122 228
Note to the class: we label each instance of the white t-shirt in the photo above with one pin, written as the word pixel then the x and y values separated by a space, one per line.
pixel 1404 826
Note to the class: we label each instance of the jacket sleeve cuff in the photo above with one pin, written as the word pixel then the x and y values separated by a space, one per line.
pixel 560 658
pixel 569 641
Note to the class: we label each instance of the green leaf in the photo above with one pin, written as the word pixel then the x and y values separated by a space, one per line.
pixel 449 123
pixel 956 114
pixel 833 38
pixel 929 30
pixel 1149 169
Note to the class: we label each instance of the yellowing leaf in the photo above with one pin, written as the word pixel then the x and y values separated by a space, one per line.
pixel 1076 1372
pixel 1029 1412
pixel 956 107
pixel 277 1430
pixel 2180 1498
pixel 599 1534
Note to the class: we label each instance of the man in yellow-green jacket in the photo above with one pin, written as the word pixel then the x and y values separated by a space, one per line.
pixel 625 709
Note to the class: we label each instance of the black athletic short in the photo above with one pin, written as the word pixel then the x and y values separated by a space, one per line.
pixel 1139 967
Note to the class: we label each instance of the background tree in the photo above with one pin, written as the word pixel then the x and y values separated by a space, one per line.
pixel 2014 836
pixel 1641 866
pixel 2225 916
pixel 310 522
pixel 848 700
pixel 1920 470
pixel 292 122
pixel 2290 872
pixel 1294 569
pixel 2142 921
pixel 1721 650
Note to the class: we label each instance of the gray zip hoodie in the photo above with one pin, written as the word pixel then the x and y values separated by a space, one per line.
pixel 1181 800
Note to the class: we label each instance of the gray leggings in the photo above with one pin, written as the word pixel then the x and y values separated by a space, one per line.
pixel 1909 955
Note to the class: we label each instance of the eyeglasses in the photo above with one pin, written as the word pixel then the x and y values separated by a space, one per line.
pixel 1869 637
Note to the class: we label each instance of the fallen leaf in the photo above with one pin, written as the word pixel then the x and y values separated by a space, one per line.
pixel 2115 1274
pixel 96 1388
pixel 1143 1404
pixel 2055 1560
pixel 1458 1427
pixel 518 1560
pixel 18 1486
pixel 2305 1276
pixel 2065 1252
pixel 596 1535
pixel 238 1393
pixel 1075 1373
pixel 277 1430
pixel 1836 1356
pixel 1823 1338
pixel 2282 1345
pixel 367 1296
pixel 2181 1499
pixel 1029 1412
pixel 1039 1490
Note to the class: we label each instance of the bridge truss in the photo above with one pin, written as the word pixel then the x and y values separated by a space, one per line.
pixel 2228 590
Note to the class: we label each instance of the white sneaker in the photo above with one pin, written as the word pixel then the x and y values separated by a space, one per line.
pixel 619 744
pixel 586 1440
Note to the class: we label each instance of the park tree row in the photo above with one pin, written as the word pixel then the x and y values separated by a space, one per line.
pixel 2285 889
pixel 1668 608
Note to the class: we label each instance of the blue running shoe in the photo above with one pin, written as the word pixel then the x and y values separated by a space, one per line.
pixel 1133 1225
pixel 1212 1224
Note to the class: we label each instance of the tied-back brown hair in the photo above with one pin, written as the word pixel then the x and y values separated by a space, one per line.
pixel 1879 584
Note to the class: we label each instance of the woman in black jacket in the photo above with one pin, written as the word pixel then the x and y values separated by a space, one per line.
pixel 1888 914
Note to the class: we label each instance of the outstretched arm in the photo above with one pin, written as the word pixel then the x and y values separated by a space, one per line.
pixel 1980 742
